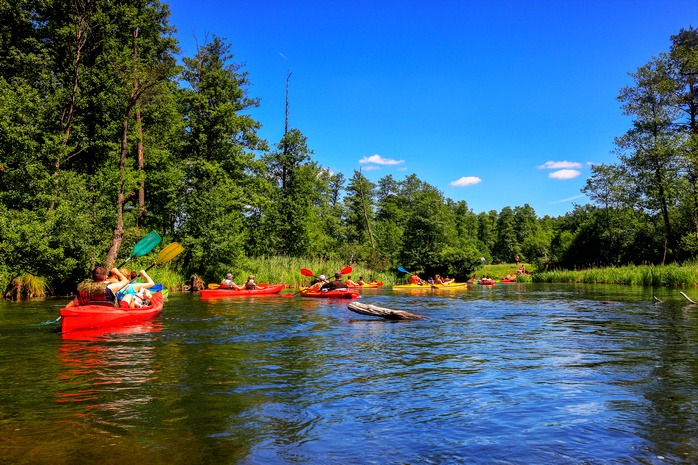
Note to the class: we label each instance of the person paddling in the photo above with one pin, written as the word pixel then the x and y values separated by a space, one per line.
pixel 336 284
pixel 415 279
pixel 317 285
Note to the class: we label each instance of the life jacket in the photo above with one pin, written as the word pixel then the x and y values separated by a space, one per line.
pixel 92 292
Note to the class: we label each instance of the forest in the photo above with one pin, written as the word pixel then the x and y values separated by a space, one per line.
pixel 108 133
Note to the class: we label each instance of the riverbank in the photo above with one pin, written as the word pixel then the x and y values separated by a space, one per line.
pixel 684 275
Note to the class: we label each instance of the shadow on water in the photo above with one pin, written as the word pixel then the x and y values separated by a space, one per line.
pixel 511 373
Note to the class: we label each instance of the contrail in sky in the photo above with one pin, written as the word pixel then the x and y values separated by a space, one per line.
pixel 282 56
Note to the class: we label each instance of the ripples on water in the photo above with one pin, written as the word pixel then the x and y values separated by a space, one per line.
pixel 509 374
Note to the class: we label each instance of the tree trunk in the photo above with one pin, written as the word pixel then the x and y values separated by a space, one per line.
pixel 363 200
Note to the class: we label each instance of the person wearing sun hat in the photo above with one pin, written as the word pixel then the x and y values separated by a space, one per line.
pixel 228 283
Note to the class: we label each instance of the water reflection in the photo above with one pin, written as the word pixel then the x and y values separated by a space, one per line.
pixel 512 373
pixel 104 372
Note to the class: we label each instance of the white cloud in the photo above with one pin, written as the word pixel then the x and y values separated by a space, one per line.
pixel 402 169
pixel 378 160
pixel 466 181
pixel 568 200
pixel 371 168
pixel 555 165
pixel 564 174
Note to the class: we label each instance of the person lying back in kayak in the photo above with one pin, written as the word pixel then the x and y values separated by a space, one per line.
pixel 438 280
pixel 415 279
pixel 101 288
pixel 361 281
pixel 126 295
pixel 336 284
pixel 250 284
pixel 349 282
pixel 228 283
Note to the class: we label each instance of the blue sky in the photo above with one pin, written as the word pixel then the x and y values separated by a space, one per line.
pixel 498 103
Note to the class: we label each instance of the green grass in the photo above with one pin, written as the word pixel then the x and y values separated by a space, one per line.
pixel 643 275
pixel 501 271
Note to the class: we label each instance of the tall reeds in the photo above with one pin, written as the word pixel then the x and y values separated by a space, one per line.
pixel 643 275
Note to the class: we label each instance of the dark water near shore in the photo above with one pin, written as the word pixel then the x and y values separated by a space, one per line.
pixel 532 373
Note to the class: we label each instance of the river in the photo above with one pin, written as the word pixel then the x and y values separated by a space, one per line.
pixel 514 373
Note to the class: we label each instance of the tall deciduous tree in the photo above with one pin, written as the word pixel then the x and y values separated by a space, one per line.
pixel 217 158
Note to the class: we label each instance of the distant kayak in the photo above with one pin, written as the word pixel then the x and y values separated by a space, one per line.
pixel 335 294
pixel 106 314
pixel 402 287
pixel 365 286
pixel 223 292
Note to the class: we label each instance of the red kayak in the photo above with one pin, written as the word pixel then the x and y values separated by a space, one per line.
pixel 365 286
pixel 335 294
pixel 222 292
pixel 94 316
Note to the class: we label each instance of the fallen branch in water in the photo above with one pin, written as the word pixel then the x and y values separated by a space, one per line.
pixel 688 298
pixel 658 301
pixel 386 313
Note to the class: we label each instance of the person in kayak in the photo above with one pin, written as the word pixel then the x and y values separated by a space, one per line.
pixel 361 281
pixel 336 284
pixel 250 284
pixel 101 288
pixel 317 285
pixel 126 295
pixel 228 283
pixel 438 279
pixel 349 282
pixel 415 279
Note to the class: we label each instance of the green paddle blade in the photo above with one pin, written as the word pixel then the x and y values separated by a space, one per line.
pixel 146 244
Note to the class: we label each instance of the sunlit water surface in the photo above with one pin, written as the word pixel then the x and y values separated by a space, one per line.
pixel 508 374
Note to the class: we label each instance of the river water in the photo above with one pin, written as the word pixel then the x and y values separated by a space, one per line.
pixel 515 373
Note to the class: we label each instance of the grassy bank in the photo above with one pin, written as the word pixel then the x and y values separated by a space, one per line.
pixel 644 275
pixel 501 271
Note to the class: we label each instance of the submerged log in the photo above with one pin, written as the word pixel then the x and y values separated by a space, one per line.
pixel 688 298
pixel 386 313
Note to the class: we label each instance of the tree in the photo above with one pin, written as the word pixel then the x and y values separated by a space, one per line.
pixel 649 149
pixel 217 158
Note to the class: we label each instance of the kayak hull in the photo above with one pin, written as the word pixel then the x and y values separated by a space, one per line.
pixel 416 287
pixel 216 293
pixel 336 294
pixel 95 316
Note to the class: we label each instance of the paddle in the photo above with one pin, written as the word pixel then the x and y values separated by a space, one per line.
pixel 144 246
pixel 399 268
pixel 165 255
pixel 306 272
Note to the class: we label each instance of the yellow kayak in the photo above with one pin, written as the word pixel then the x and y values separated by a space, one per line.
pixel 403 287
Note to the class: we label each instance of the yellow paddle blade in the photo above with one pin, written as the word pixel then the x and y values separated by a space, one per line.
pixel 169 252
pixel 214 286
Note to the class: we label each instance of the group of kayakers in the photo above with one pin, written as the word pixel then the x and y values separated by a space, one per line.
pixel 415 279
pixel 228 283
pixel 116 287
